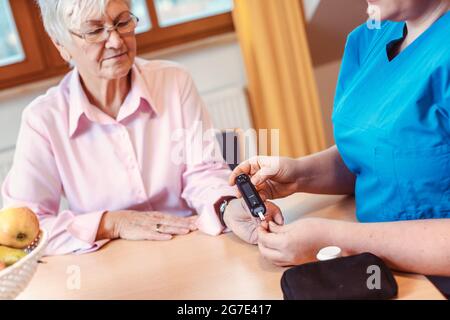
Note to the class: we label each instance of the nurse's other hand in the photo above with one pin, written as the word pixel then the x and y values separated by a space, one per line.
pixel 273 177
pixel 238 218
pixel 292 244
pixel 150 225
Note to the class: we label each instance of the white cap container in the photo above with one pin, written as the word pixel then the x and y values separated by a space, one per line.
pixel 329 253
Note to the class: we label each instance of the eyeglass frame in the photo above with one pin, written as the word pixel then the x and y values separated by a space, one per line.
pixel 109 29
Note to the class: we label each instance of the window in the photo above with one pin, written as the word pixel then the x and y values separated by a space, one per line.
pixel 172 12
pixel 10 46
pixel 27 54
pixel 178 21
pixel 140 9
pixel 21 57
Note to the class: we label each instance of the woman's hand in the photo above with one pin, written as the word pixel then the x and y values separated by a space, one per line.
pixel 292 244
pixel 273 177
pixel 137 225
pixel 238 218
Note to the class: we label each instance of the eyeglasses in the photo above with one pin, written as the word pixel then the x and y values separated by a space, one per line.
pixel 123 26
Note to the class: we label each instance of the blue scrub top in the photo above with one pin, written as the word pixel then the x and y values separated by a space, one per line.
pixel 392 122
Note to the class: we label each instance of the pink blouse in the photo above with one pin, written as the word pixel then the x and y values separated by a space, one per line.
pixel 157 155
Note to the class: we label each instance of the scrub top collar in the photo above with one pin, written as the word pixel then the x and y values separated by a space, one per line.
pixel 401 31
pixel 391 47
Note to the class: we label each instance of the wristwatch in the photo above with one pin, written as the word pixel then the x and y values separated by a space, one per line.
pixel 220 207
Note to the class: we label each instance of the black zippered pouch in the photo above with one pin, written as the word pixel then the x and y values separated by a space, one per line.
pixel 442 284
pixel 360 277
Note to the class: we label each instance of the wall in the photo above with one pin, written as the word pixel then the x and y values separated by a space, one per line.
pixel 215 63
pixel 326 78
pixel 329 23
pixel 329 26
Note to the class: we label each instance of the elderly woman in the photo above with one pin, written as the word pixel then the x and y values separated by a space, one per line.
pixel 119 137
pixel 392 129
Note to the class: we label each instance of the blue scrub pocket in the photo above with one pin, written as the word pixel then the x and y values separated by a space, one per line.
pixel 423 178
pixel 386 193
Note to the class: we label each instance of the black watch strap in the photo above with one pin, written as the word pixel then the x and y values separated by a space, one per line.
pixel 220 207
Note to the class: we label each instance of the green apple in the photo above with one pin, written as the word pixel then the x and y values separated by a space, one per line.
pixel 9 256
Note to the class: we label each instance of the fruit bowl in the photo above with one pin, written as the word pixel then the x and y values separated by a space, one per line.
pixel 14 279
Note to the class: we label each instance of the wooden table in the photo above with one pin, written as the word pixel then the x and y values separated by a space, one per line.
pixel 195 266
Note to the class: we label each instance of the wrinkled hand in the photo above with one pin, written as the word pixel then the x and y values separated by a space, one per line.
pixel 153 225
pixel 273 177
pixel 291 244
pixel 238 218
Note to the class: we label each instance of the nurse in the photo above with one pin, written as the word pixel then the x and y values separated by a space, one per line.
pixel 392 130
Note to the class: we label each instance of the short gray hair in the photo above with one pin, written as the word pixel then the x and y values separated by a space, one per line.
pixel 59 16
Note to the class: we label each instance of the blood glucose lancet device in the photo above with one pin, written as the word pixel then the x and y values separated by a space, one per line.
pixel 251 196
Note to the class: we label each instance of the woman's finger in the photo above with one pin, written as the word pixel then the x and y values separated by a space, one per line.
pixel 193 220
pixel 264 195
pixel 179 223
pixel 249 167
pixel 242 168
pixel 272 210
pixel 278 218
pixel 270 240
pixel 275 228
pixel 171 220
pixel 193 223
pixel 263 192
pixel 146 233
pixel 158 236
pixel 272 255
pixel 258 179
pixel 264 225
pixel 171 230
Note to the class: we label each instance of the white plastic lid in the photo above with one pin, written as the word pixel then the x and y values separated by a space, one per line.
pixel 329 253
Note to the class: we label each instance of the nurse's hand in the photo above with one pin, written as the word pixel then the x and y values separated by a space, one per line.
pixel 137 225
pixel 291 244
pixel 238 218
pixel 273 177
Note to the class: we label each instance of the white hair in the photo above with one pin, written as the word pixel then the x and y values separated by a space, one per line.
pixel 59 16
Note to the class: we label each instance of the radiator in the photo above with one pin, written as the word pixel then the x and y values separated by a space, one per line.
pixel 229 112
pixel 228 108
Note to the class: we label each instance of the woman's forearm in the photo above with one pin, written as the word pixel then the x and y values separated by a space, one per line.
pixel 325 173
pixel 419 246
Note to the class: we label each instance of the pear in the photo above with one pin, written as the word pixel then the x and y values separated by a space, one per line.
pixel 19 227
pixel 9 256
